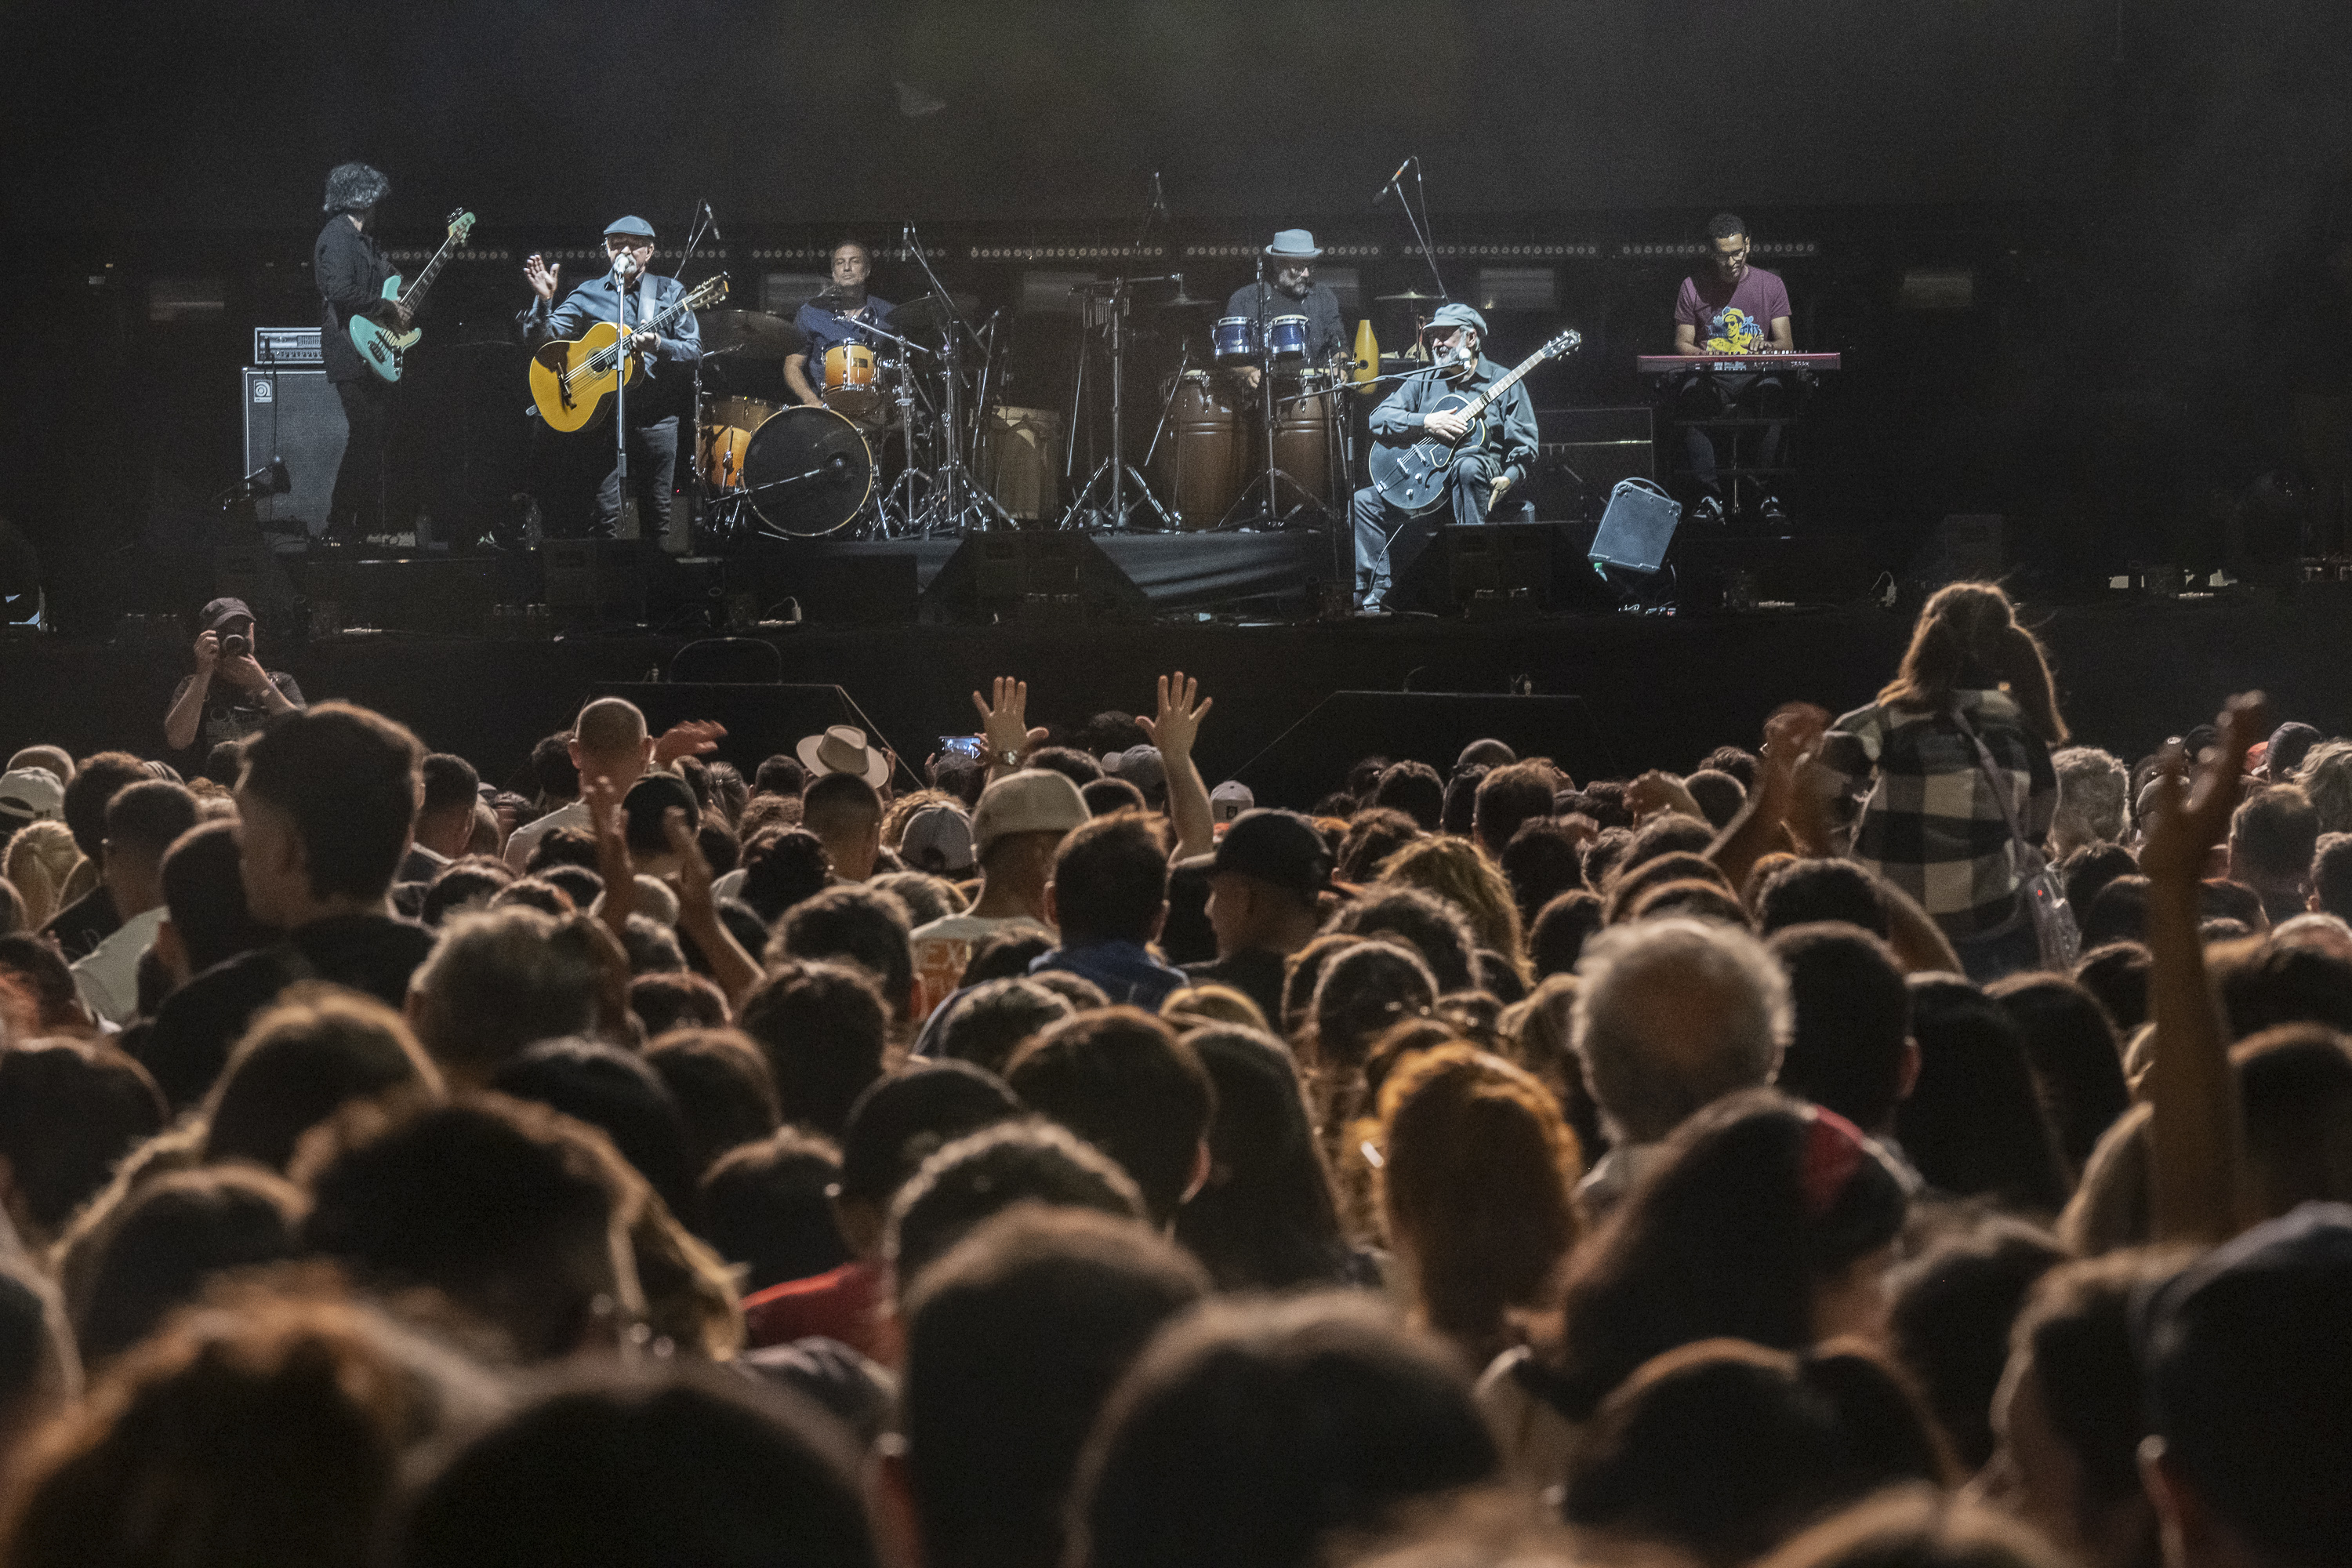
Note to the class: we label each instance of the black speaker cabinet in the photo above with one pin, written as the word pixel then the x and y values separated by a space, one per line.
pixel 599 580
pixel 1047 577
pixel 294 415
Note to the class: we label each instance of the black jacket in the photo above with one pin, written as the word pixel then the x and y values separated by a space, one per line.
pixel 350 268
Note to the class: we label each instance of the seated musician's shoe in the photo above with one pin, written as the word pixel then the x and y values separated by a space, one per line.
pixel 1772 513
pixel 1709 510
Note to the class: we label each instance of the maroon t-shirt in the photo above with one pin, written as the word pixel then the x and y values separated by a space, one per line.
pixel 1733 318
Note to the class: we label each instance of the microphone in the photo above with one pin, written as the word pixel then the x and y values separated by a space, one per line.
pixel 1392 180
pixel 1158 200
pixel 711 218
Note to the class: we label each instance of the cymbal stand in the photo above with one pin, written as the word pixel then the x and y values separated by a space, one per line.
pixel 1114 511
pixel 1272 478
pixel 956 496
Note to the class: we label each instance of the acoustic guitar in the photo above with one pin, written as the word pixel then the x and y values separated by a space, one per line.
pixel 570 377
pixel 1413 478
pixel 377 333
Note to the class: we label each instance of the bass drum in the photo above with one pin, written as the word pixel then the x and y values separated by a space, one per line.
pixel 1206 453
pixel 807 472
pixel 1304 432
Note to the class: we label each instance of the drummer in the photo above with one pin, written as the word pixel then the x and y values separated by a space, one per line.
pixel 1286 287
pixel 831 317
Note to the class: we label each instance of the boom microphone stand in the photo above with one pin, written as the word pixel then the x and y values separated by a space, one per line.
pixel 957 493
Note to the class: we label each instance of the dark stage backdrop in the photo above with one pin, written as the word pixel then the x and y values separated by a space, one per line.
pixel 227 114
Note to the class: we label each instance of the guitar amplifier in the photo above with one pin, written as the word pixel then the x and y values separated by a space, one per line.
pixel 1584 453
pixel 286 345
pixel 1636 528
pixel 296 416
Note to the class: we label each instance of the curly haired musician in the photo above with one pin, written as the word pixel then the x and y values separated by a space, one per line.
pixel 1388 540
pixel 654 402
pixel 350 268
pixel 1733 309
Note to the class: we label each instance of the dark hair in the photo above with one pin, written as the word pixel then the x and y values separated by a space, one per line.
pixel 839 796
pixel 1031 1160
pixel 144 818
pixel 535 893
pixel 1365 991
pixel 33 960
pixel 475 1197
pixel 1634 880
pixel 69 1111
pixel 675 999
pixel 1718 795
pixel 782 867
pixel 1014 1340
pixel 1853 1035
pixel 1121 1079
pixel 1105 796
pixel 2075 1330
pixel 224 762
pixel 204 896
pixel 987 1022
pixel 1721 1449
pixel 853 925
pixel 1727 226
pixel 1951 1310
pixel 1252 1431
pixel 1555 938
pixel 583 883
pixel 2117 975
pixel 1110 879
pixel 1974 1124
pixel 767 1205
pixel 1412 790
pixel 450 781
pixel 1815 889
pixel 2331 874
pixel 1726 1236
pixel 1603 855
pixel 1509 796
pixel 1431 926
pixel 475 880
pixel 1735 761
pixel 312 1052
pixel 1967 635
pixel 780 774
pixel 1670 832
pixel 553 773
pixel 2092 867
pixel 96 782
pixel 1072 765
pixel 564 847
pixel 675 1463
pixel 500 980
pixel 347 778
pixel 1007 956
pixel 2264 983
pixel 1459 812
pixel 2276 832
pixel 1373 834
pixel 823 1027
pixel 157 1249
pixel 616 1092
pixel 2077 1062
pixel 1544 859
pixel 903 1120
pixel 722 1086
pixel 1265 1220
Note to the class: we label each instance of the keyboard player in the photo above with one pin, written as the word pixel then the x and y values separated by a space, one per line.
pixel 1731 307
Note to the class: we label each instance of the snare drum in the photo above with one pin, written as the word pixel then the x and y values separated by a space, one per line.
pixel 1231 340
pixel 1286 339
pixel 852 384
pixel 727 426
pixel 1204 463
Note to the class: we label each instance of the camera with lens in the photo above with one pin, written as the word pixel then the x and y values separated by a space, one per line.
pixel 237 645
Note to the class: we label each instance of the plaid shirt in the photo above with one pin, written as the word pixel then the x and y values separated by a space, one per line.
pixel 1931 824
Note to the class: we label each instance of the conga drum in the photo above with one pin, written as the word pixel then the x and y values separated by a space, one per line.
pixel 1206 451
pixel 1303 432
pixel 1020 459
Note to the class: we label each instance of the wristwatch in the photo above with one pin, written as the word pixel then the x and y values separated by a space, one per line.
pixel 1006 759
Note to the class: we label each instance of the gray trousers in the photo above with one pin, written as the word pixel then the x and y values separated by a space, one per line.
pixel 1388 541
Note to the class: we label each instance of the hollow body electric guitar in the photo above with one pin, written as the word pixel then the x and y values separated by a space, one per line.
pixel 1413 478
pixel 384 346
pixel 570 377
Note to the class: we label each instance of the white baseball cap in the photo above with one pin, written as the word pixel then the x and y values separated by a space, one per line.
pixel 1035 800
pixel 31 794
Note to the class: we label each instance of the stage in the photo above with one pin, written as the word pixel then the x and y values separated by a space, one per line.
pixel 1655 689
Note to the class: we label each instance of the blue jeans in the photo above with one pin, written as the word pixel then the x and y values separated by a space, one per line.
pixel 1389 541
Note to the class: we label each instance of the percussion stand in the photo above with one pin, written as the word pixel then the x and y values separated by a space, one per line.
pixel 1272 476
pixel 955 494
pixel 908 349
pixel 1114 511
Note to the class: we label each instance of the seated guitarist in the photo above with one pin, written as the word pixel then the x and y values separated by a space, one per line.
pixel 1490 463
pixel 655 402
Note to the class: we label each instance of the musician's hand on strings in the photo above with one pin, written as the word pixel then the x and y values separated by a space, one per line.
pixel 405 312
pixel 542 276
pixel 646 344
pixel 1445 424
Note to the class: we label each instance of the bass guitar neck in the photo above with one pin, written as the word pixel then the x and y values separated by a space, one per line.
pixel 382 342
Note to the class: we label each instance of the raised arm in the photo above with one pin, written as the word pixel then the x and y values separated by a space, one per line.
pixel 1791 735
pixel 1005 725
pixel 2195 1130
pixel 1181 709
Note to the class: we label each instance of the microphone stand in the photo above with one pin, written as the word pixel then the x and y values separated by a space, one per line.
pixel 1421 225
pixel 700 505
pixel 621 393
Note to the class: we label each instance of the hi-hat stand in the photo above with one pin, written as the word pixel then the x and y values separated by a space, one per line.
pixel 1114 511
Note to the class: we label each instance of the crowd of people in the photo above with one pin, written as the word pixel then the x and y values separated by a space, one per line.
pixel 1917 1141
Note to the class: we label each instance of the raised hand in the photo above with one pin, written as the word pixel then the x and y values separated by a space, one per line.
pixel 612 859
pixel 1005 722
pixel 1658 791
pixel 542 276
pixel 689 738
pixel 2182 827
pixel 1181 709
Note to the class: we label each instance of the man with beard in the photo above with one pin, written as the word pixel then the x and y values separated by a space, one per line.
pixel 1288 289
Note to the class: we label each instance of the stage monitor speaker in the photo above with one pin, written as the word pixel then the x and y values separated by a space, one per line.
pixel 294 415
pixel 1312 758
pixel 1494 569
pixel 594 579
pixel 1637 528
pixel 761 718
pixel 1046 577
pixel 1585 452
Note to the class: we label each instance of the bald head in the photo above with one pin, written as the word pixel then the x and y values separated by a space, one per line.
pixel 609 741
pixel 1672 1014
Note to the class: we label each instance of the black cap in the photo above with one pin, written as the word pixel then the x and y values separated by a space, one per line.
pixel 646 805
pixel 1277 846
pixel 220 613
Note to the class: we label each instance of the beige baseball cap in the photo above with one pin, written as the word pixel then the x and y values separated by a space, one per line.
pixel 1034 800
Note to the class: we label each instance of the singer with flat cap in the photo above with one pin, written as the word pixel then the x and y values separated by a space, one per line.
pixel 1286 287
pixel 655 401
pixel 1487 467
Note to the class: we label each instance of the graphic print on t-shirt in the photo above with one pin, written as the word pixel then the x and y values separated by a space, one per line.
pixel 1732 330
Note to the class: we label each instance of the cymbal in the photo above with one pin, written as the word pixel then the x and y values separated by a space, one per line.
pixel 1410 297
pixel 920 314
pixel 752 332
pixel 1187 302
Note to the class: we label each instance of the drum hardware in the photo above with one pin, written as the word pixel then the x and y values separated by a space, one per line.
pixel 1107 299
pixel 755 334
pixel 958 501
pixel 1267 355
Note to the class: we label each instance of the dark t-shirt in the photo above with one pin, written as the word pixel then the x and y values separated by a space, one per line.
pixel 1327 334
pixel 81 925
pixel 1732 317
pixel 203 1020
pixel 231 712
pixel 827 328
pixel 1255 973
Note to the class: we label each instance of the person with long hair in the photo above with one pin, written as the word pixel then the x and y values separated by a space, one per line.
pixel 1933 822
pixel 1459 871
pixel 1477 1186
pixel 1266 1218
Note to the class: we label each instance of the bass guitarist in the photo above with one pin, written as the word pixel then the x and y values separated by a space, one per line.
pixel 350 269
pixel 655 402
pixel 1491 462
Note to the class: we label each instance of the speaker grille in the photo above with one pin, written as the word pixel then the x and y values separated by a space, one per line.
pixel 295 414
